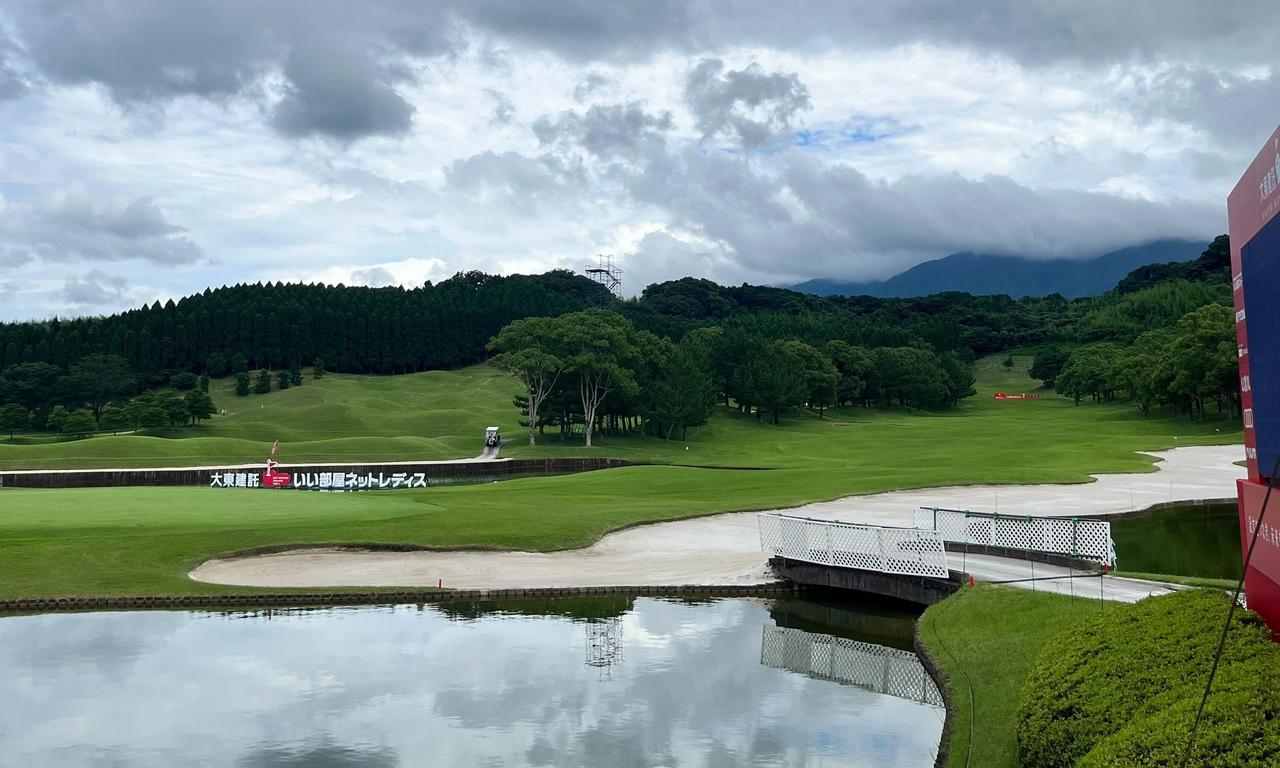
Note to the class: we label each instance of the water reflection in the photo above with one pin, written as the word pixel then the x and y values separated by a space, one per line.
pixel 512 684
pixel 873 667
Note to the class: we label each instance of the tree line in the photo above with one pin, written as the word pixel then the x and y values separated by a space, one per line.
pixel 595 371
pixel 447 325
pixel 97 393
pixel 1184 366
pixel 263 334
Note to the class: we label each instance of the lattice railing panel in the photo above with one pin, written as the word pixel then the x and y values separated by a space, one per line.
pixel 873 667
pixel 855 548
pixel 1087 539
pixel 905 551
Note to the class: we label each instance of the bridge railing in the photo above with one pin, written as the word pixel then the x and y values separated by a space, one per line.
pixel 1085 539
pixel 905 551
pixel 873 667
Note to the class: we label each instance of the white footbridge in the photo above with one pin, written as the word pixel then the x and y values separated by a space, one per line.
pixel 1005 550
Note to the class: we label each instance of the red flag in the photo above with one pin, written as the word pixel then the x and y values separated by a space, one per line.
pixel 275 448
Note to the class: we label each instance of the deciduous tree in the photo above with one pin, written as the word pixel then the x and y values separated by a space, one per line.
pixel 97 379
pixel 13 417
pixel 79 423
pixel 526 349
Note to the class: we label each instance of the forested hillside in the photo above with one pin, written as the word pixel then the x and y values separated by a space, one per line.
pixel 275 329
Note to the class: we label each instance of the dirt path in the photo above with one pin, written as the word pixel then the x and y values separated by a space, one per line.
pixel 721 549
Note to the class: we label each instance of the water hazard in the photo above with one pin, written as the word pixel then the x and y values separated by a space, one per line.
pixel 602 682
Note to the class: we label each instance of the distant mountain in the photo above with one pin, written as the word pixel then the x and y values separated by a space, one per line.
pixel 982 274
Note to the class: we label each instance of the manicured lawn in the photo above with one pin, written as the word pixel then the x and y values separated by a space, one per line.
pixel 420 416
pixel 1172 578
pixel 143 540
pixel 988 637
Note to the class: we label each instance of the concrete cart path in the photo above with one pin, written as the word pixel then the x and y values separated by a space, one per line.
pixel 1056 579
pixel 725 549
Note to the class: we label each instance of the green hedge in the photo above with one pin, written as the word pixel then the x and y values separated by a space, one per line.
pixel 1240 729
pixel 1121 689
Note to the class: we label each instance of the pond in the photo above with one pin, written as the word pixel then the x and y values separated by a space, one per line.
pixel 1199 540
pixel 602 682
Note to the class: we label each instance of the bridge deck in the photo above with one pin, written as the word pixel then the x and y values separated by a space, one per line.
pixel 1057 579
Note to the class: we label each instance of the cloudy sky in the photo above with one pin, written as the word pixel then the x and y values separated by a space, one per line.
pixel 151 148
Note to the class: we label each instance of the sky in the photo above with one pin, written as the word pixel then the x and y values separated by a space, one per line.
pixel 152 148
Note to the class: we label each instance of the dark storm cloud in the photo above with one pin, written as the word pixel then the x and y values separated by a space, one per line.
pixel 749 103
pixel 338 93
pixel 1037 32
pixel 586 29
pixel 78 227
pixel 605 130
pixel 146 49
pixel 96 288
pixel 814 219
pixel 12 84
pixel 1089 32
pixel 1234 109
pixel 338 53
pixel 337 58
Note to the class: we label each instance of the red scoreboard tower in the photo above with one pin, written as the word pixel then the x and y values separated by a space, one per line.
pixel 1254 227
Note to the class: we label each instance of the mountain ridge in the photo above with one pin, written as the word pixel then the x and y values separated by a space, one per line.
pixel 1014 276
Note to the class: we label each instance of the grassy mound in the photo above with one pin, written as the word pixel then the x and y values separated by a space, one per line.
pixel 1121 689
pixel 342 418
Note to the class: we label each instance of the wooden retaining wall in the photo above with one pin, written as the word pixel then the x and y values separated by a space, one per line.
pixel 325 599
pixel 437 473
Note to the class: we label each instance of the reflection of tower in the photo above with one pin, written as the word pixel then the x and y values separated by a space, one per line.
pixel 608 274
pixel 604 645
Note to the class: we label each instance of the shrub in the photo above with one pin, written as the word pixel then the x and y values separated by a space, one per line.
pixel 1132 663
pixel 1240 727
pixel 183 381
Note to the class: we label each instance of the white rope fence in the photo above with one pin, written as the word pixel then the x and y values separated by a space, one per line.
pixel 1085 539
pixel 873 667
pixel 905 551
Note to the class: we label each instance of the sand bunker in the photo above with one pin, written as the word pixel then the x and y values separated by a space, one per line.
pixel 721 549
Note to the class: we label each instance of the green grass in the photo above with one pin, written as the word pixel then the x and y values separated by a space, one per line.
pixel 343 418
pixel 988 637
pixel 1173 578
pixel 144 540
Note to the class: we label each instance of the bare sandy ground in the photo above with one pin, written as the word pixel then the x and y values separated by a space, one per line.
pixel 721 549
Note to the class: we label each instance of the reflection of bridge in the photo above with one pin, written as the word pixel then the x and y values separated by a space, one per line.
pixel 874 667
